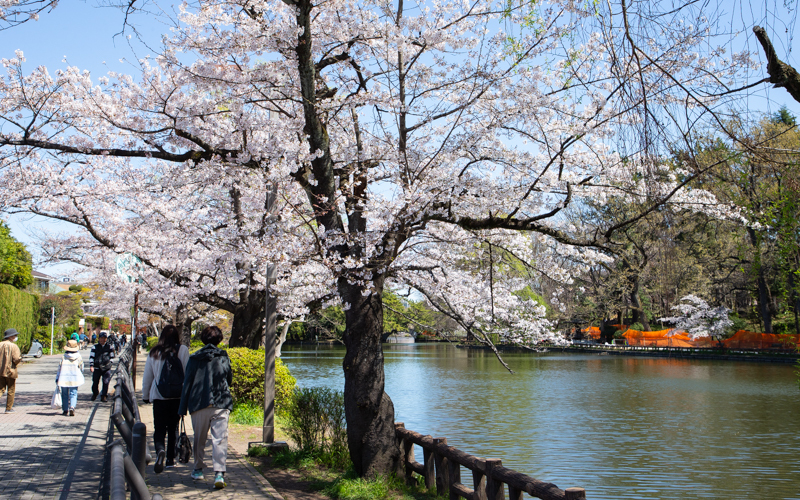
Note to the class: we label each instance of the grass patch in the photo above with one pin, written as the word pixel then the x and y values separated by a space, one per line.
pixel 343 484
pixel 350 487
pixel 353 488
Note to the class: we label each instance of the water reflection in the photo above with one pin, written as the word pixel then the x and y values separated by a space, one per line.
pixel 622 427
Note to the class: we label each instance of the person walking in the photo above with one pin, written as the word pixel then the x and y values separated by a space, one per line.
pixel 10 357
pixel 70 377
pixel 207 396
pixel 100 362
pixel 162 384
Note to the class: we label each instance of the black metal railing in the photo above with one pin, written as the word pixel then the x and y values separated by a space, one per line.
pixel 128 453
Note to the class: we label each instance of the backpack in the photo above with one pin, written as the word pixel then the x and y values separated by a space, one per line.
pixel 170 381
pixel 103 361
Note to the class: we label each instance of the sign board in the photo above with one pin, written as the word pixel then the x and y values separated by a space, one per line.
pixel 129 267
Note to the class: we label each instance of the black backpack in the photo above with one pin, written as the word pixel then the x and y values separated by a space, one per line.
pixel 170 382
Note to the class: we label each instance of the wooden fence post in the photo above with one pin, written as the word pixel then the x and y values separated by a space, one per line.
pixel 430 473
pixel 575 494
pixel 494 488
pixel 513 493
pixel 442 474
pixel 479 481
pixel 407 449
pixel 454 476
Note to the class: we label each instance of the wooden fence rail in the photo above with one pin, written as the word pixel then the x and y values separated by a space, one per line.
pixel 441 468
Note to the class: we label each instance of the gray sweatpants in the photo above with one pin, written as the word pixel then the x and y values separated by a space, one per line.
pixel 216 420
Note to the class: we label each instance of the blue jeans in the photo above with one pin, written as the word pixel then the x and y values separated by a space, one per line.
pixel 69 398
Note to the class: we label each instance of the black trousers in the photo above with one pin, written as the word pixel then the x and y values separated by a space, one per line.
pixel 97 374
pixel 165 423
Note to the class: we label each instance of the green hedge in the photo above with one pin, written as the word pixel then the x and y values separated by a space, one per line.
pixel 98 321
pixel 248 378
pixel 19 310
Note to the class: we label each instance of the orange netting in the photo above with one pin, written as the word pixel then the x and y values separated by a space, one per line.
pixel 620 327
pixel 752 340
pixel 661 338
pixel 705 342
pixel 592 332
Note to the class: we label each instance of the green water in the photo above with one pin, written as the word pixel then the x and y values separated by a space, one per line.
pixel 621 427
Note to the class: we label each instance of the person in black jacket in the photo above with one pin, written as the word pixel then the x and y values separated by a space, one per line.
pixel 100 362
pixel 207 396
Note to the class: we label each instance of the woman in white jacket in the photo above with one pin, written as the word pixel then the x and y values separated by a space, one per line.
pixel 170 354
pixel 70 377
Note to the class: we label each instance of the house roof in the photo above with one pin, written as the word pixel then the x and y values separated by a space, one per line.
pixel 42 276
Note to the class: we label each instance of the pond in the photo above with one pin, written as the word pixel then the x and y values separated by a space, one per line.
pixel 620 427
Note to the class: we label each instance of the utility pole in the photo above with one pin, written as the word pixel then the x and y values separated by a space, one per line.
pixel 52 327
pixel 134 331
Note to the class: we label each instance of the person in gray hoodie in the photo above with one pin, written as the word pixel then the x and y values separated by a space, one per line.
pixel 207 396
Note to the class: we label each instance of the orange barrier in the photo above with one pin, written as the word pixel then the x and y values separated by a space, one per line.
pixel 661 338
pixel 752 340
pixel 592 332
pixel 705 342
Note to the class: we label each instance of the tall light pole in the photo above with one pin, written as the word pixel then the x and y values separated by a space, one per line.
pixel 270 312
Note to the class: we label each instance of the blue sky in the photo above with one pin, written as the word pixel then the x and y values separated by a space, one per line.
pixel 91 38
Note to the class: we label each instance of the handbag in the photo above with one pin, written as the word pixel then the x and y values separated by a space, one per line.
pixel 56 401
pixel 184 445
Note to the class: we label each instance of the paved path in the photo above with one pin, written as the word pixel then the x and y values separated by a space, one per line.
pixel 44 454
pixel 244 482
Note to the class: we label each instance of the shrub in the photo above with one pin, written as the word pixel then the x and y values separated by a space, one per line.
pixel 151 342
pixel 195 343
pixel 19 310
pixel 248 413
pixel 248 378
pixel 316 422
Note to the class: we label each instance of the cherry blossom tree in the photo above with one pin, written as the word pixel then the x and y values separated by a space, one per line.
pixel 404 138
pixel 16 12
pixel 698 319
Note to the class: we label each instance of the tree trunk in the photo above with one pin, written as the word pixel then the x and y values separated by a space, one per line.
pixel 639 315
pixel 183 320
pixel 282 336
pixel 248 321
pixel 368 409
pixel 794 297
pixel 761 283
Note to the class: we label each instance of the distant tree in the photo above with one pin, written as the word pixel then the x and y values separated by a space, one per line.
pixel 15 260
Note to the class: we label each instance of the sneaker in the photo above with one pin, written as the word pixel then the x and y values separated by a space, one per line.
pixel 65 413
pixel 170 463
pixel 219 481
pixel 197 474
pixel 159 466
pixel 11 410
pixel 94 396
pixel 103 398
pixel 72 412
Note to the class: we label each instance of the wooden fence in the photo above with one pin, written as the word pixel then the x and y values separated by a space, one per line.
pixel 442 464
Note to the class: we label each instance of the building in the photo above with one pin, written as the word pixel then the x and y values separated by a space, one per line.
pixel 42 282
